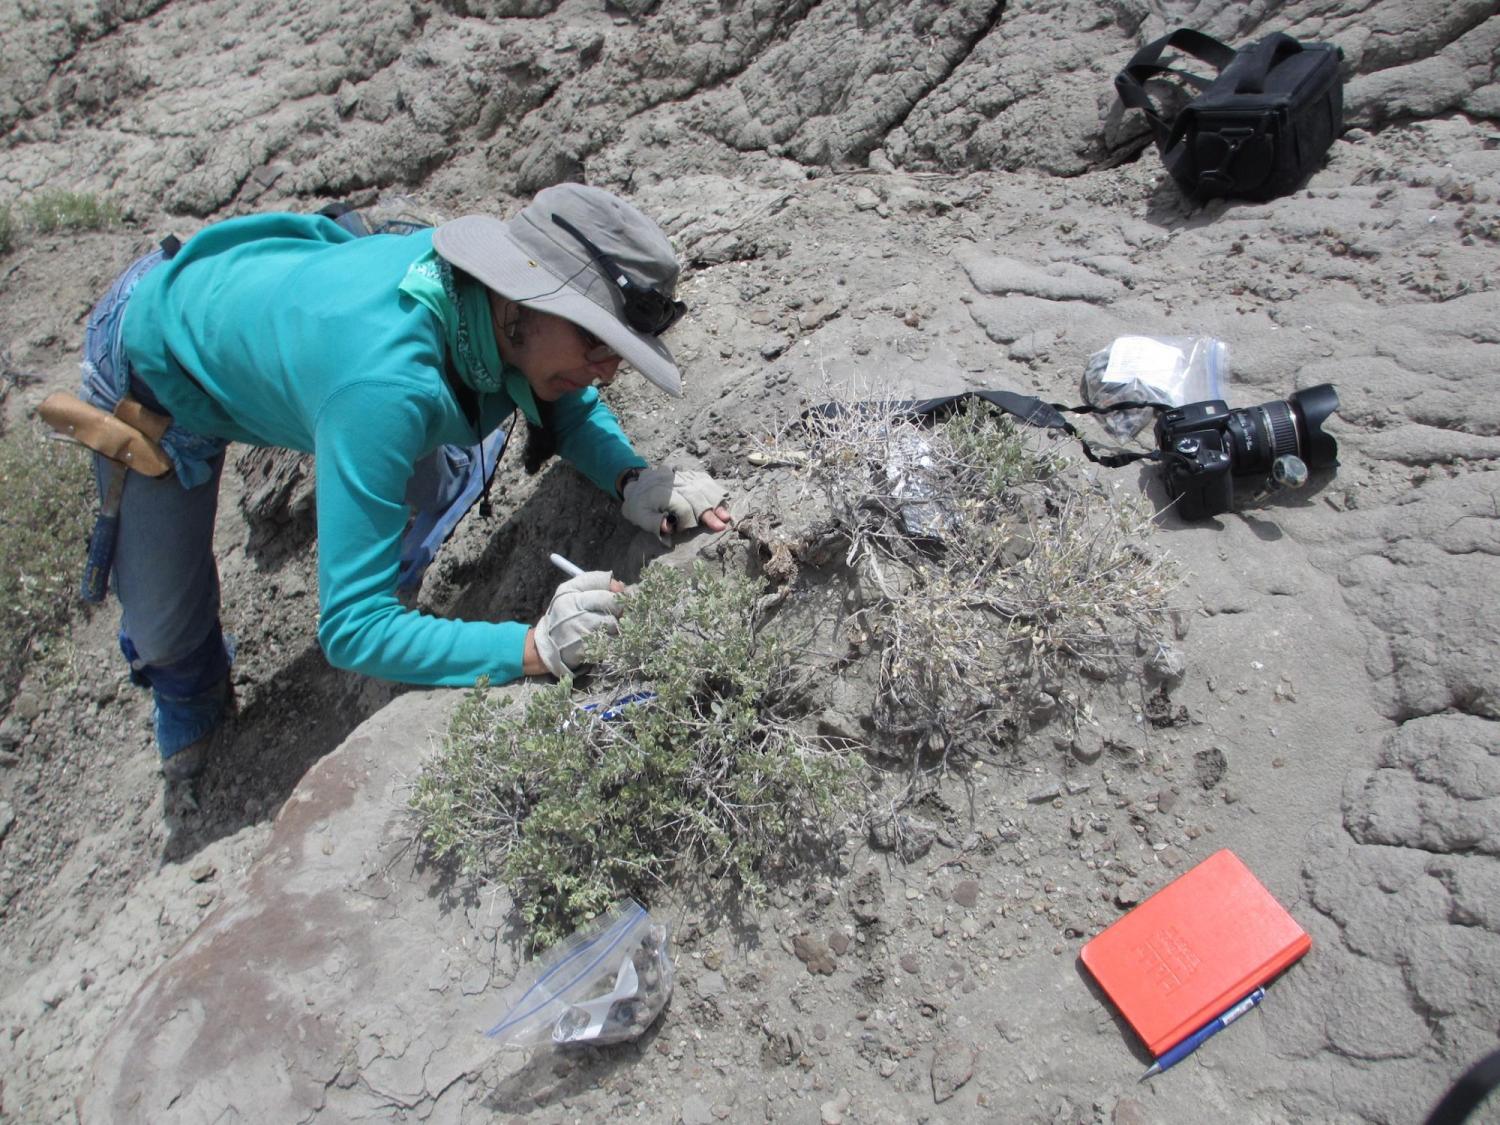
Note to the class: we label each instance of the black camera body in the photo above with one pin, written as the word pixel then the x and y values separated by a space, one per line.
pixel 1205 447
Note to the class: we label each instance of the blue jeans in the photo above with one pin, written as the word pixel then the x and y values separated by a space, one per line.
pixel 164 572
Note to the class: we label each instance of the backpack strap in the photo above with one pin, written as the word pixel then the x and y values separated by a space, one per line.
pixel 1034 412
pixel 1026 408
pixel 347 217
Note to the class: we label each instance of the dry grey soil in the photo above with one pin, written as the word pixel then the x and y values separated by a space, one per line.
pixel 894 195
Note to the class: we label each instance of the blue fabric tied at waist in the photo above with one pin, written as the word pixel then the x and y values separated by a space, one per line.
pixel 108 377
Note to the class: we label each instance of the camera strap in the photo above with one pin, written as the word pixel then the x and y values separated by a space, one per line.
pixel 1026 408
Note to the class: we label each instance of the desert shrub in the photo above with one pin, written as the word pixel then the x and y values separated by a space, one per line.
pixel 570 810
pixel 7 228
pixel 55 210
pixel 996 576
pixel 45 498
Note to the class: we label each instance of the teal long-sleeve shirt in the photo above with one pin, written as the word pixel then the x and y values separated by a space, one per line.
pixel 286 330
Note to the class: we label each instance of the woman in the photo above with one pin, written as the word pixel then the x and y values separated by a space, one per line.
pixel 377 355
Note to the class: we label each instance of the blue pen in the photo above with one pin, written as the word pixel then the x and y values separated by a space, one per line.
pixel 1196 1039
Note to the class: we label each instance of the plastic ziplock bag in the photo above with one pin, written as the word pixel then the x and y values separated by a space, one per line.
pixel 605 984
pixel 1174 370
pixel 909 474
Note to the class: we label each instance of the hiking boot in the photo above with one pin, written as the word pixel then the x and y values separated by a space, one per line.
pixel 189 762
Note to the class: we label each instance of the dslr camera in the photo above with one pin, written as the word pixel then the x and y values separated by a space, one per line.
pixel 1205 447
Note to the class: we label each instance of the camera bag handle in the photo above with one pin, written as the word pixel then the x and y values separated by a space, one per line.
pixel 1260 58
pixel 1130 82
pixel 1250 68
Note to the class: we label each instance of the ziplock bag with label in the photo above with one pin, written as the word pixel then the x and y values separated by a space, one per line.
pixel 1172 370
pixel 605 984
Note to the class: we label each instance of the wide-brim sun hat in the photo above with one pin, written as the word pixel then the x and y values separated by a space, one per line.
pixel 534 261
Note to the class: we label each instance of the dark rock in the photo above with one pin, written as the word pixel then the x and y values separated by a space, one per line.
pixel 1160 712
pixel 952 1066
pixel 277 501
pixel 966 892
pixel 814 954
pixel 930 1006
pixel 1043 709
pixel 907 836
pixel 11 732
pixel 1166 665
pixel 867 898
pixel 1087 747
pixel 840 725
pixel 1209 767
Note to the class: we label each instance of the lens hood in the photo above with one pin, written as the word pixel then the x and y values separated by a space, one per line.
pixel 1313 406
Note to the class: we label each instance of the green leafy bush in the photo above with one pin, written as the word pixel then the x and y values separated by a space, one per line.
pixel 571 811
pixel 7 228
pixel 55 210
pixel 45 499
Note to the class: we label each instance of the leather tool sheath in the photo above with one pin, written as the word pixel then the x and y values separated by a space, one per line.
pixel 130 436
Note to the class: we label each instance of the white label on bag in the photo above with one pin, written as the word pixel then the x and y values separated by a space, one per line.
pixel 1143 358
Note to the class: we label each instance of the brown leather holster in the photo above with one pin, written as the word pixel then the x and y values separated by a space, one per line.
pixel 131 436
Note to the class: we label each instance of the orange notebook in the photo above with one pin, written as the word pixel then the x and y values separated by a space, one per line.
pixel 1192 950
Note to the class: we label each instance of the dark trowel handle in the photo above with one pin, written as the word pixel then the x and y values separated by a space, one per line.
pixel 101 555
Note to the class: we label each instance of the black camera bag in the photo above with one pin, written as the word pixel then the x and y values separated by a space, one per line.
pixel 1256 131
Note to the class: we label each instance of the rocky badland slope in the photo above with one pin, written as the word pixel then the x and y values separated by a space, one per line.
pixel 929 197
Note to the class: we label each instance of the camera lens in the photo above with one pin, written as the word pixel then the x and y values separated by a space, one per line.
pixel 1261 434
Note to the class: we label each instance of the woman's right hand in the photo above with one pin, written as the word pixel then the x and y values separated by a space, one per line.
pixel 580 607
pixel 662 501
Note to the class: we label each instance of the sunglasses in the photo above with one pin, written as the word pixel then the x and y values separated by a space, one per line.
pixel 647 309
pixel 595 350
